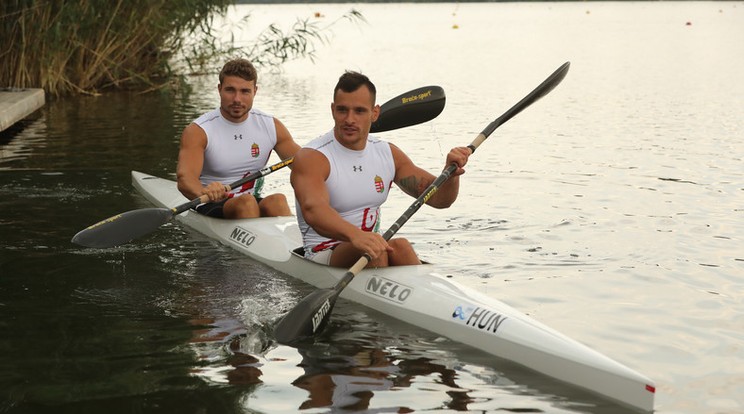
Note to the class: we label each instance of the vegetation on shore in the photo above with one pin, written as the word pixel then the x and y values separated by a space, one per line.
pixel 86 46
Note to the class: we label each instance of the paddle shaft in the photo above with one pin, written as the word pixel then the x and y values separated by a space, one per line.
pixel 250 177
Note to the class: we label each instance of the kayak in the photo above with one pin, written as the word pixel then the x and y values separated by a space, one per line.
pixel 422 297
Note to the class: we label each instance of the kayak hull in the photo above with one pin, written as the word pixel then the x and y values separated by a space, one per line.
pixel 419 295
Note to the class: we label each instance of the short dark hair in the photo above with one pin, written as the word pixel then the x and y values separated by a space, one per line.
pixel 241 68
pixel 351 81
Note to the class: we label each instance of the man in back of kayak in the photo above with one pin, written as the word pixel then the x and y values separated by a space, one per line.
pixel 230 142
pixel 342 178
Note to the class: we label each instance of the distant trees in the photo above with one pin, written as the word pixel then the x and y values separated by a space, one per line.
pixel 85 46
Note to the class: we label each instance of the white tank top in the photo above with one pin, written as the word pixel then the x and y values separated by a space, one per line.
pixel 358 184
pixel 236 150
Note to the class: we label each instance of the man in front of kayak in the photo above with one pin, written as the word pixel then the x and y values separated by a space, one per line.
pixel 342 178
pixel 230 142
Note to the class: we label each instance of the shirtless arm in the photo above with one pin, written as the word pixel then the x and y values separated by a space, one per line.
pixel 190 163
pixel 311 169
pixel 413 180
pixel 285 146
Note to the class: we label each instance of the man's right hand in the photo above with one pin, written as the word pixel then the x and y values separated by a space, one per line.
pixel 216 191
pixel 371 243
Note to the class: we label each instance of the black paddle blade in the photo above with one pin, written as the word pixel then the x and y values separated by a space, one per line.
pixel 542 89
pixel 307 318
pixel 122 228
pixel 411 108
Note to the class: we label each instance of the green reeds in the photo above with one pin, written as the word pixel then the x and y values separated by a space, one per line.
pixel 86 46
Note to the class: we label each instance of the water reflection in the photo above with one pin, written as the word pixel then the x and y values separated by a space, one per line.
pixel 348 376
pixel 339 375
pixel 378 366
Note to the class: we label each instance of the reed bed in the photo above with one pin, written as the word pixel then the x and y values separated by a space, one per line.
pixel 86 46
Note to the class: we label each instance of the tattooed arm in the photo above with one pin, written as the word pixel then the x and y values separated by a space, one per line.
pixel 413 180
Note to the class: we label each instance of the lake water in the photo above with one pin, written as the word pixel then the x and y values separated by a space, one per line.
pixel 611 210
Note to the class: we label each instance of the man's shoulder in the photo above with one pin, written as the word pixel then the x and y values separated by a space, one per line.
pixel 320 141
pixel 260 114
pixel 207 117
pixel 374 140
pixel 379 145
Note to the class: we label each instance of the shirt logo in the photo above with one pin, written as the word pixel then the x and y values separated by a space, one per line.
pixel 379 185
pixel 255 150
pixel 369 220
pixel 237 137
pixel 357 168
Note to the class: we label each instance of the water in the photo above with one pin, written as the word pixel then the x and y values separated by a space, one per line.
pixel 611 210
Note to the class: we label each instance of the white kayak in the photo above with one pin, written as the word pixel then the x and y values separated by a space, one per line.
pixel 420 296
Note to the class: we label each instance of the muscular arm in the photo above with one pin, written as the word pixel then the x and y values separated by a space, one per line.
pixel 191 161
pixel 285 146
pixel 413 180
pixel 311 169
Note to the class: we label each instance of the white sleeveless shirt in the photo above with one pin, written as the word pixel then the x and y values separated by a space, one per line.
pixel 235 150
pixel 358 184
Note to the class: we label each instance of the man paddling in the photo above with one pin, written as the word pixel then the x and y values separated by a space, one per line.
pixel 230 142
pixel 342 178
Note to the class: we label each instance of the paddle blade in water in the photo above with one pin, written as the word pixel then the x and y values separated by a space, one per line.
pixel 122 228
pixel 309 316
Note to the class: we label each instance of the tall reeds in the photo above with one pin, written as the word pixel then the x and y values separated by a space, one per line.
pixel 87 46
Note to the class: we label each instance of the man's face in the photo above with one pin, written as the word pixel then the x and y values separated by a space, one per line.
pixel 236 97
pixel 353 114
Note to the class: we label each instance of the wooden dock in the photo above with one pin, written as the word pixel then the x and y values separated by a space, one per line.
pixel 18 103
